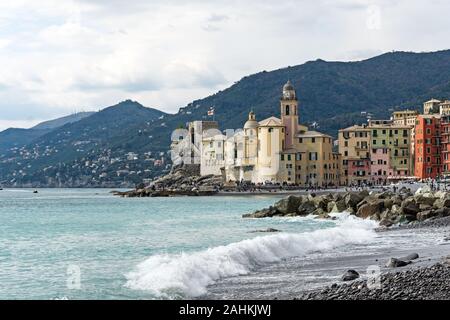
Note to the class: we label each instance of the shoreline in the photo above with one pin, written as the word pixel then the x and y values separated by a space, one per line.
pixel 320 276
pixel 427 277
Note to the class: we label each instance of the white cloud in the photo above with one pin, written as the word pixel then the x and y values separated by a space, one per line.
pixel 63 55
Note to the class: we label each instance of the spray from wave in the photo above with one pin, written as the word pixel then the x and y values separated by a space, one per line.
pixel 189 275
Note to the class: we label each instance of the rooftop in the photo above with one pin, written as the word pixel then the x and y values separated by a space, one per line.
pixel 312 134
pixel 269 122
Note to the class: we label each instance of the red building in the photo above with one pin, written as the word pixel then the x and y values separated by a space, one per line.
pixel 427 145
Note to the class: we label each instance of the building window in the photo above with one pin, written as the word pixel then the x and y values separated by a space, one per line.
pixel 300 140
pixel 289 157
pixel 270 129
pixel 313 140
pixel 287 110
pixel 299 156
pixel 282 157
pixel 313 156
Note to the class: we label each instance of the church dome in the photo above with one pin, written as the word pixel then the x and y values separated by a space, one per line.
pixel 288 86
pixel 289 91
pixel 251 122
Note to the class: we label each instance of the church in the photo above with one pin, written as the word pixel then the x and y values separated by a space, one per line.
pixel 280 150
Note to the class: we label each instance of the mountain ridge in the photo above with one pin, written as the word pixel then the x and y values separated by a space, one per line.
pixel 331 94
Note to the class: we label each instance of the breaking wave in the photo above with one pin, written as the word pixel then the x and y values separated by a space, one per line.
pixel 189 274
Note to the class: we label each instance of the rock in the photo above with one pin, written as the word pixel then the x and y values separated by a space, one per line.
pixel 427 214
pixel 427 199
pixel 339 206
pixel 424 207
pixel 288 205
pixel 370 209
pixel 397 200
pixel 409 207
pixel 396 263
pixel 352 199
pixel 442 203
pixel 307 207
pixel 330 205
pixel 321 202
pixel 385 223
pixel 388 203
pixel 321 214
pixel 350 275
pixel 264 213
pixel 409 257
pixel 442 212
pixel 266 230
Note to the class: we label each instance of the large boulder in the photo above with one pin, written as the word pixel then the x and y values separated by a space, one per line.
pixel 386 223
pixel 388 203
pixel 410 207
pixel 321 202
pixel 337 206
pixel 442 212
pixel 353 198
pixel 350 275
pixel 306 207
pixel 427 214
pixel 441 203
pixel 426 199
pixel 288 205
pixel 409 257
pixel 397 200
pixel 396 263
pixel 264 213
pixel 370 209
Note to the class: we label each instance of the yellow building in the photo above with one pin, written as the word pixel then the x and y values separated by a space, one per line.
pixel 396 138
pixel 354 147
pixel 444 107
pixel 311 161
pixel 408 118
pixel 405 117
pixel 431 106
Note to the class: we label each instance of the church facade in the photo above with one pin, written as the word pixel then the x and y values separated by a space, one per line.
pixel 281 150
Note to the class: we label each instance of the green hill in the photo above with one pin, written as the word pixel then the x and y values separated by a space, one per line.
pixel 333 94
pixel 59 157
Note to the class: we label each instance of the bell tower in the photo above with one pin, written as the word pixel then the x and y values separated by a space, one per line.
pixel 289 113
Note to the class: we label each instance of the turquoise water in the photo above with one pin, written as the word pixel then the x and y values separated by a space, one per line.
pixel 45 236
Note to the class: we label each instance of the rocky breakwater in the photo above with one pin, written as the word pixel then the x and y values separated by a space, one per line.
pixel 389 208
pixel 184 180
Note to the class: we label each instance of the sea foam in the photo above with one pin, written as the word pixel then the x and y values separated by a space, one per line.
pixel 189 274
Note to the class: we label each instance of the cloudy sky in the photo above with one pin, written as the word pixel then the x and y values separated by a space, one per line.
pixel 62 56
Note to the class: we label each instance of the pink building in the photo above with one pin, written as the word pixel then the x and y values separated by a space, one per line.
pixel 359 170
pixel 380 168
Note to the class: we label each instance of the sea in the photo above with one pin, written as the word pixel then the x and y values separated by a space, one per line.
pixel 89 244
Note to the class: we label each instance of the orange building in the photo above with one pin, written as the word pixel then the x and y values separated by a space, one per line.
pixel 427 146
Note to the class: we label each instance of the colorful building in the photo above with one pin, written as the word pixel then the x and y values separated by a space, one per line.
pixel 397 138
pixel 380 166
pixel 428 146
pixel 354 147
pixel 445 145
